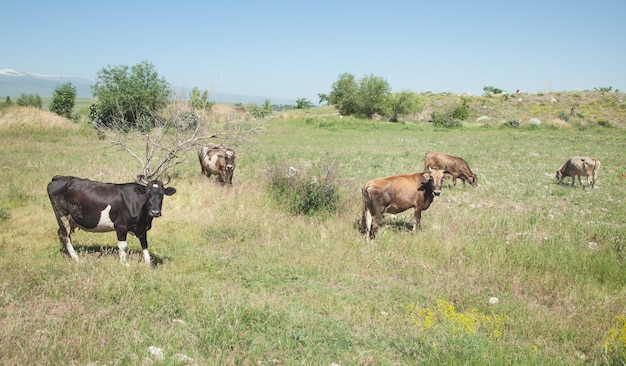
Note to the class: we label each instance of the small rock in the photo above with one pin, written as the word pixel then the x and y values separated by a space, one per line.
pixel 156 353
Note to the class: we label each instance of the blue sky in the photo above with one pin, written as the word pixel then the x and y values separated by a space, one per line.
pixel 289 49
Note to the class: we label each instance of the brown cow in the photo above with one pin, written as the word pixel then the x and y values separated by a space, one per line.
pixel 456 167
pixel 397 194
pixel 217 160
pixel 580 166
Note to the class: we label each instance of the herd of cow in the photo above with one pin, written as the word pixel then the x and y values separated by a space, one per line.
pixel 130 207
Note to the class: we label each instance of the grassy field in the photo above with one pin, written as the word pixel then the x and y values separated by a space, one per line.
pixel 242 281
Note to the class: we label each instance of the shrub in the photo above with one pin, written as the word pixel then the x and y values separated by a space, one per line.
pixel 401 104
pixel 604 123
pixel 63 100
pixel 364 98
pixel 5 213
pixel 490 90
pixel 444 119
pixel 305 193
pixel 186 120
pixel 29 100
pixel 260 112
pixel 127 97
pixel 563 116
pixel 512 123
pixel 461 112
pixel 200 100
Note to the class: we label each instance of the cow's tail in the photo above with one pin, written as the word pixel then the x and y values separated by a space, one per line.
pixel 366 217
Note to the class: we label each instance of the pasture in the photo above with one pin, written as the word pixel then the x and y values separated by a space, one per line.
pixel 241 281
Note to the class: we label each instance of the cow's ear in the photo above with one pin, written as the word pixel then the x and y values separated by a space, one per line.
pixel 170 191
pixel 425 177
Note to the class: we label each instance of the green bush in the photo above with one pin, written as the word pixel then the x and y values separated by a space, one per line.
pixel 445 119
pixel 63 100
pixel 5 213
pixel 128 97
pixel 461 111
pixel 604 123
pixel 563 116
pixel 305 193
pixel 363 98
pixel 29 100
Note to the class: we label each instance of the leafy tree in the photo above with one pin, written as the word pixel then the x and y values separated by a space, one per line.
pixel 63 100
pixel 372 96
pixel 403 103
pixel 128 98
pixel 604 89
pixel 491 90
pixel 362 98
pixel 303 103
pixel 200 100
pixel 344 94
pixel 29 100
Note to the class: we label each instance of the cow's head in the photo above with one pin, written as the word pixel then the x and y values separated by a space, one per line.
pixel 154 191
pixel 473 180
pixel 559 174
pixel 435 176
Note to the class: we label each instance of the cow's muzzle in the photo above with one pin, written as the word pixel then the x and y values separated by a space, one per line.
pixel 155 213
pixel 437 192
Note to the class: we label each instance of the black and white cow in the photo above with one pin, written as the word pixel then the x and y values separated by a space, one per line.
pixel 102 207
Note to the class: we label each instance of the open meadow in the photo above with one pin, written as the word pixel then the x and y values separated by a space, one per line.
pixel 241 281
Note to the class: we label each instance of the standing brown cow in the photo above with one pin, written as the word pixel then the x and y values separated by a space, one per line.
pixel 584 166
pixel 456 167
pixel 397 194
pixel 219 161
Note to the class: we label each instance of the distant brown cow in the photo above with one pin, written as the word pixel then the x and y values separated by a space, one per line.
pixel 217 160
pixel 397 194
pixel 456 167
pixel 581 166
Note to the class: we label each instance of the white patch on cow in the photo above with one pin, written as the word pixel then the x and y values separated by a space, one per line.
pixel 146 256
pixel 213 162
pixel 105 223
pixel 65 220
pixel 122 244
pixel 155 185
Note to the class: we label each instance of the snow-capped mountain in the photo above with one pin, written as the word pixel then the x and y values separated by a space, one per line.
pixel 14 83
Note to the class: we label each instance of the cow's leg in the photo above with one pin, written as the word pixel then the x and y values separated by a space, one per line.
pixel 122 244
pixel 580 181
pixel 418 219
pixel 144 246
pixel 367 223
pixel 64 232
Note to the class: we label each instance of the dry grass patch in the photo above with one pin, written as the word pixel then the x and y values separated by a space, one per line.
pixel 33 117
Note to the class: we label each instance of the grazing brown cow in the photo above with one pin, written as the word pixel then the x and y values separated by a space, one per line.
pixel 456 167
pixel 580 166
pixel 397 194
pixel 217 160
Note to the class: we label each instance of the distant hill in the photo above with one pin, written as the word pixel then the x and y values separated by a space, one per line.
pixel 14 83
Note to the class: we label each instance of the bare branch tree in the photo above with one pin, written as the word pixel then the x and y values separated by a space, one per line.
pixel 177 130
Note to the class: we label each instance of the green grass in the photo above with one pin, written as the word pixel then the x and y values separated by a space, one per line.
pixel 240 280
